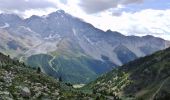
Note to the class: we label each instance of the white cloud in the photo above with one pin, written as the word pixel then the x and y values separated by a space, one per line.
pixel 144 22
pixel 95 6
pixel 22 5
pixel 39 12
pixel 26 8
pixel 63 1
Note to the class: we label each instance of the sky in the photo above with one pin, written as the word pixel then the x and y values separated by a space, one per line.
pixel 130 17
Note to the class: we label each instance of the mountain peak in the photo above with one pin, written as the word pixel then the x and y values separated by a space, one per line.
pixel 108 31
pixel 34 16
pixel 148 36
pixel 60 11
pixel 115 33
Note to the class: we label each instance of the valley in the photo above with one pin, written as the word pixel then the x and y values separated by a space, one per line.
pixel 63 45
pixel 146 78
pixel 84 50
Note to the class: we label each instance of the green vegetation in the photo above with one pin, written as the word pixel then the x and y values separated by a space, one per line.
pixel 143 79
pixel 20 82
pixel 72 68
pixel 147 78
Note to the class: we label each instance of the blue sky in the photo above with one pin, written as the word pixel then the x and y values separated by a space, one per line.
pixel 149 4
pixel 130 17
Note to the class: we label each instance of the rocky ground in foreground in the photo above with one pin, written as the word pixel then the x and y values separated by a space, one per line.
pixel 19 82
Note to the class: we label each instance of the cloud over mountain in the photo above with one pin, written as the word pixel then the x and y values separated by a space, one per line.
pixel 130 17
pixel 23 5
pixel 94 6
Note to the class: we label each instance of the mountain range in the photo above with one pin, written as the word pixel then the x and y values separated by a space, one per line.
pixel 146 78
pixel 68 47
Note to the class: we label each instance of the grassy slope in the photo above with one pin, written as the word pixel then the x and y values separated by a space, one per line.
pixel 72 68
pixel 70 62
pixel 144 78
pixel 14 76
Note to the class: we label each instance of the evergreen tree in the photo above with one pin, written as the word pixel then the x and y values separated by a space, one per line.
pixel 60 79
pixel 38 70
pixel 97 98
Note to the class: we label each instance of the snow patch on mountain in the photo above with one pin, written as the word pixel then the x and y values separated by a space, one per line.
pixel 89 40
pixel 28 29
pixel 42 35
pixel 5 26
pixel 52 37
pixel 74 31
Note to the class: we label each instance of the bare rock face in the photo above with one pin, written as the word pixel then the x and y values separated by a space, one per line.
pixel 60 35
pixel 25 92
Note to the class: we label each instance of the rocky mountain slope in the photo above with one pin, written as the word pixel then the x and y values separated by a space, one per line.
pixel 147 78
pixel 20 82
pixel 65 46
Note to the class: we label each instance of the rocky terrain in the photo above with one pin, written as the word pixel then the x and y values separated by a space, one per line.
pixel 65 46
pixel 147 78
pixel 20 82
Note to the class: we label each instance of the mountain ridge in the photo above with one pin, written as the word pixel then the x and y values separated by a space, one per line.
pixel 146 78
pixel 60 35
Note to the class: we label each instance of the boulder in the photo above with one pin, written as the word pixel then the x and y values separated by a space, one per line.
pixel 25 92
